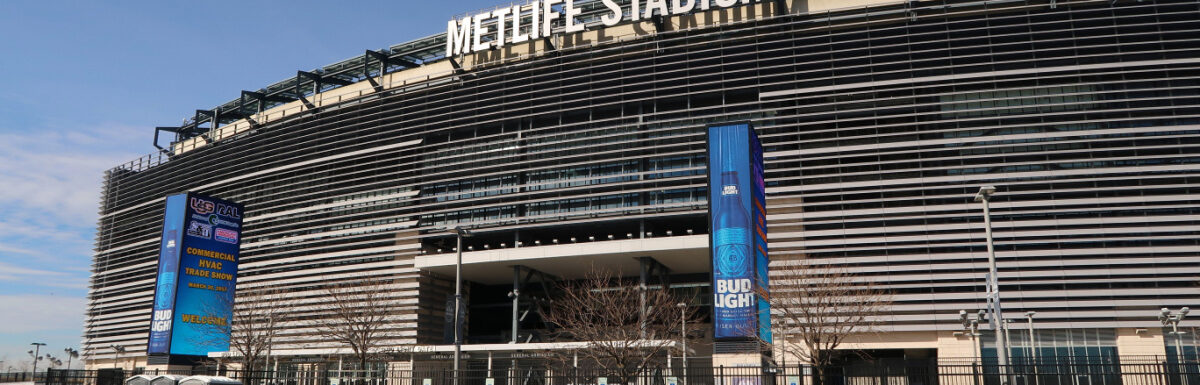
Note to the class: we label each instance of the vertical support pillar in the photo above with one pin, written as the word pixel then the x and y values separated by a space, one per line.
pixel 642 277
pixel 516 302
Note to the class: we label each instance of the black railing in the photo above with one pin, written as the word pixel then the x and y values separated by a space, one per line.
pixel 17 377
pixel 906 372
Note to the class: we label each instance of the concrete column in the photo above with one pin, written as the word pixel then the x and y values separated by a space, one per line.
pixel 958 357
pixel 1142 352
pixel 956 348
pixel 400 372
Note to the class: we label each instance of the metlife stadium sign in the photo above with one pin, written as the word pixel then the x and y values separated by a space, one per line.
pixel 522 23
pixel 197 272
pixel 738 234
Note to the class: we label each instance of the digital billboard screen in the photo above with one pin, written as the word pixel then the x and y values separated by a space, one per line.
pixel 737 233
pixel 168 275
pixel 194 296
pixel 758 213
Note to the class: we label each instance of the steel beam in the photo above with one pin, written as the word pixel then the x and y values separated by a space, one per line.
pixel 390 60
pixel 519 283
pixel 648 267
pixel 781 7
pixel 316 81
pixel 660 23
pixel 173 130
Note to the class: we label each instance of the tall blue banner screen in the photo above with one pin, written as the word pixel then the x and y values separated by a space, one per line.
pixel 758 210
pixel 168 275
pixel 203 276
pixel 737 233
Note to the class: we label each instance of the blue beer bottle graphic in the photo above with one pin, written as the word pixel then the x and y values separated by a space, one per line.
pixel 733 268
pixel 168 269
pixel 732 239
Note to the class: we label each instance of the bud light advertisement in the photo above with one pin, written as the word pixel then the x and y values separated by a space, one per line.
pixel 737 234
pixel 197 271
pixel 168 271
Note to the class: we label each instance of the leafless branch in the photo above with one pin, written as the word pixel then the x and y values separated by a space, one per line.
pixel 359 315
pixel 820 306
pixel 605 311
pixel 256 314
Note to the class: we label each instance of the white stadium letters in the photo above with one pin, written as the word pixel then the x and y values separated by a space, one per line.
pixel 522 23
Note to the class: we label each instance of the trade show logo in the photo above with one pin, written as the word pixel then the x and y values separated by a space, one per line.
pixel 227 235
pixel 228 211
pixel 198 229
pixel 201 206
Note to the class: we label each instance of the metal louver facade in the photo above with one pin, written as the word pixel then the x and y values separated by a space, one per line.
pixel 878 125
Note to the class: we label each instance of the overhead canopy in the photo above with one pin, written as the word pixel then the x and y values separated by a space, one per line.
pixel 680 254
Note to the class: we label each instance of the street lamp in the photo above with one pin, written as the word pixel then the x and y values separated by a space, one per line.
pixel 37 349
pixel 117 350
pixel 1172 320
pixel 270 345
pixel 459 233
pixel 1032 342
pixel 997 319
pixel 971 328
pixel 683 333
pixel 71 353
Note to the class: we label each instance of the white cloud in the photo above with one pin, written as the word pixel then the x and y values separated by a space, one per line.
pixel 57 175
pixel 39 313
pixel 7 269
pixel 49 279
pixel 54 320
pixel 50 182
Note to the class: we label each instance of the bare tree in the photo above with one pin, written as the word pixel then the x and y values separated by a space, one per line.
pixel 251 329
pixel 606 311
pixel 819 307
pixel 359 314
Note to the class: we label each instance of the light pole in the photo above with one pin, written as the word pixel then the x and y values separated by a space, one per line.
pixel 971 328
pixel 71 353
pixel 117 350
pixel 996 321
pixel 1032 342
pixel 271 344
pixel 1168 319
pixel 1007 332
pixel 683 334
pixel 460 233
pixel 37 349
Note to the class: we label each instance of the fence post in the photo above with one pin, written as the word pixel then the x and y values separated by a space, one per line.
pixel 976 371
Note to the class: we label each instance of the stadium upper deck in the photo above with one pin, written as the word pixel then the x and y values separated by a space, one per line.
pixel 419 60
pixel 879 122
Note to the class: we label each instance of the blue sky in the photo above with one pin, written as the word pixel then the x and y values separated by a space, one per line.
pixel 82 84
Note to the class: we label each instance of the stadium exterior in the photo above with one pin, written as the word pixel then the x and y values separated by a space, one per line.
pixel 880 120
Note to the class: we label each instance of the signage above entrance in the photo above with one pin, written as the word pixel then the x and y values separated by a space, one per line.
pixel 522 23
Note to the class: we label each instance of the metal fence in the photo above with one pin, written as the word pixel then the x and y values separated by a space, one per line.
pixel 881 373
